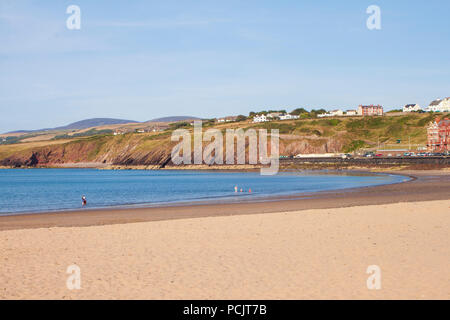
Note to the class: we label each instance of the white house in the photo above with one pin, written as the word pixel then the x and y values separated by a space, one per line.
pixel 289 117
pixel 351 113
pixel 260 118
pixel 333 113
pixel 336 113
pixel 411 108
pixel 275 114
pixel 439 105
pixel 227 119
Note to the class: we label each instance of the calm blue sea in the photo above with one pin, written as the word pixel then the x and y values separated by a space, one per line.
pixel 38 190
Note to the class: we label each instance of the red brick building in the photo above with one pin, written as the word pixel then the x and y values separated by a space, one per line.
pixel 370 110
pixel 439 135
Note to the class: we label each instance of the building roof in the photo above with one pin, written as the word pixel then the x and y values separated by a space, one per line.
pixel 435 102
pixel 371 106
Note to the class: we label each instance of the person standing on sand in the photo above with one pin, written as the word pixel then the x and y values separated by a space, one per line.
pixel 83 201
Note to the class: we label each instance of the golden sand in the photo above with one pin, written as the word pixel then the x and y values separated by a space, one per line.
pixel 318 253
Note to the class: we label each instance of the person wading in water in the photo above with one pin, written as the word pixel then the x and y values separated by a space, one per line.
pixel 83 201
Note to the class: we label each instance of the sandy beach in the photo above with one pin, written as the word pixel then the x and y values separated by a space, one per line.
pixel 310 248
pixel 421 186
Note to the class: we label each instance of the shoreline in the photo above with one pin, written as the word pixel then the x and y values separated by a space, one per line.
pixel 369 164
pixel 423 186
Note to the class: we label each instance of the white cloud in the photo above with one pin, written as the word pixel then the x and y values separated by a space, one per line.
pixel 161 24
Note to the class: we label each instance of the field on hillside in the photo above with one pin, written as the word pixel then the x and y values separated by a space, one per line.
pixel 356 132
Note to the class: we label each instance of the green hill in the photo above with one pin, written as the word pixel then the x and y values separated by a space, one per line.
pixel 296 136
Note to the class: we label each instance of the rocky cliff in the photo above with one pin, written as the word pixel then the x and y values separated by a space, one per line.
pixel 140 150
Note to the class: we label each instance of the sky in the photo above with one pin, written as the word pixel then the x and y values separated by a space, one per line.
pixel 141 60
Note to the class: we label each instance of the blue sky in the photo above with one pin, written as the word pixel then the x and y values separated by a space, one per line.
pixel 145 59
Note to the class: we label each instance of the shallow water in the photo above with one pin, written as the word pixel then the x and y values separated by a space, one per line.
pixel 41 190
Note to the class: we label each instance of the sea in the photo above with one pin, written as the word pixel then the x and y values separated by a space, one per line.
pixel 47 190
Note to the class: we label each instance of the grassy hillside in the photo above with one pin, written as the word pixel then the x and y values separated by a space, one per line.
pixel 296 136
pixel 357 132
